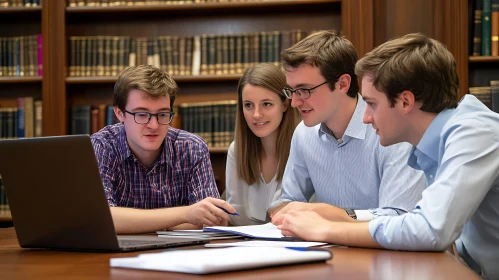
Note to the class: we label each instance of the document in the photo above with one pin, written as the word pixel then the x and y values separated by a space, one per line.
pixel 204 261
pixel 197 234
pixel 266 243
pixel 266 231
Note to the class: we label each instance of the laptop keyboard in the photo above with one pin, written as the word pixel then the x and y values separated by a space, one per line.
pixel 127 243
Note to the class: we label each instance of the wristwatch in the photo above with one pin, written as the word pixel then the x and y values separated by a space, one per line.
pixel 351 213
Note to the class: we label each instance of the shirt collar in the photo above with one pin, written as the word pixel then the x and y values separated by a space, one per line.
pixel 356 127
pixel 430 142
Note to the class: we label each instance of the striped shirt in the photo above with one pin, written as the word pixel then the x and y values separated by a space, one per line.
pixel 181 175
pixel 352 172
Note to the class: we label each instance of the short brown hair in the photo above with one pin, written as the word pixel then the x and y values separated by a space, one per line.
pixel 332 54
pixel 416 63
pixel 147 78
pixel 247 145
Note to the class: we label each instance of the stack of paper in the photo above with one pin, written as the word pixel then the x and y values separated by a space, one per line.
pixel 267 243
pixel 197 234
pixel 203 261
pixel 267 231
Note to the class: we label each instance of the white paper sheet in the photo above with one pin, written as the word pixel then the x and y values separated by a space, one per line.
pixel 203 261
pixel 265 243
pixel 266 231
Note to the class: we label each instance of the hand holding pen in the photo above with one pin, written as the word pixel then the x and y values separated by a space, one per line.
pixel 209 211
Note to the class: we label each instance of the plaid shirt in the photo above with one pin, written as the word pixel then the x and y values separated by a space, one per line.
pixel 181 175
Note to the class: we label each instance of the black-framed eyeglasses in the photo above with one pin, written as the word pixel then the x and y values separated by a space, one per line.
pixel 163 118
pixel 302 93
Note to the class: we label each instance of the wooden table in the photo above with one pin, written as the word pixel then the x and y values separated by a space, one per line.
pixel 347 263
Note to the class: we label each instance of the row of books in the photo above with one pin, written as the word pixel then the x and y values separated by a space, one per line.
pixel 106 3
pixel 20 3
pixel 198 55
pixel 25 120
pixel 213 121
pixel 485 28
pixel 87 119
pixel 489 95
pixel 21 56
pixel 4 206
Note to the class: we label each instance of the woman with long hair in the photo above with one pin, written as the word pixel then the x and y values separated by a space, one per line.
pixel 256 159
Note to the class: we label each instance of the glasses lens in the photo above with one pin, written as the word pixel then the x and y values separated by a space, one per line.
pixel 303 93
pixel 164 118
pixel 141 118
pixel 287 92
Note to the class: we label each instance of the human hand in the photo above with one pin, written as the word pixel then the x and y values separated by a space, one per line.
pixel 327 211
pixel 294 206
pixel 306 225
pixel 206 212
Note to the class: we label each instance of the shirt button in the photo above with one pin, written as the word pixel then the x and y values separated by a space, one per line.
pixel 431 176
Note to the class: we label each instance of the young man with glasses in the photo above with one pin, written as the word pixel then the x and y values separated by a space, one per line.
pixel 333 154
pixel 154 176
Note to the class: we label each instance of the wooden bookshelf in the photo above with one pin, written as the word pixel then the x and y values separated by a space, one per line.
pixel 4 10
pixel 12 80
pixel 366 23
pixel 194 20
pixel 267 4
pixel 484 59
pixel 179 79
pixel 5 217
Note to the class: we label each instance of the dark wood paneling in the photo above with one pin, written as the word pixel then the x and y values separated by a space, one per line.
pixel 357 24
pixel 54 65
pixel 395 18
pixel 443 20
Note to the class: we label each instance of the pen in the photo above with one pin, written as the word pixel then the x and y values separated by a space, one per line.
pixel 225 210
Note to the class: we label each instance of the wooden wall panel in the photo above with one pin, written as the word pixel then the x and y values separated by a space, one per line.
pixel 443 20
pixel 357 24
pixel 54 68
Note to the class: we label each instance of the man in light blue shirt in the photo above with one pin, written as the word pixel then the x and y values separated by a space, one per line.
pixel 333 154
pixel 410 85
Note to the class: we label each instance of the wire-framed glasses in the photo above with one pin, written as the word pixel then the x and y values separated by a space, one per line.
pixel 302 93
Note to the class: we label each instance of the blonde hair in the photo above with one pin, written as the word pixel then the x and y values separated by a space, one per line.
pixel 248 147
pixel 147 78
pixel 416 63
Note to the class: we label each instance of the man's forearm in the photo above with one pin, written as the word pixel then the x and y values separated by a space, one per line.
pixel 351 234
pixel 130 220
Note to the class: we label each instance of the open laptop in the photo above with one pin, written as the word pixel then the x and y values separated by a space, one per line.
pixel 57 199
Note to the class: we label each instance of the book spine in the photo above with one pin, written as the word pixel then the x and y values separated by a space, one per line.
pixel 39 42
pixel 486 28
pixel 495 27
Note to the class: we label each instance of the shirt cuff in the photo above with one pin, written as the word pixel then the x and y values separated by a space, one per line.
pixel 364 215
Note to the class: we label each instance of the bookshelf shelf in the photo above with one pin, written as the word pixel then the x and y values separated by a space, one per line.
pixel 11 80
pixel 483 59
pixel 5 217
pixel 219 150
pixel 199 6
pixel 201 78
pixel 20 9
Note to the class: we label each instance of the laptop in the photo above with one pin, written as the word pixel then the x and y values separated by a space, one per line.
pixel 57 199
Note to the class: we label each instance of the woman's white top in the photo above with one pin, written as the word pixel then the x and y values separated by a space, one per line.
pixel 250 201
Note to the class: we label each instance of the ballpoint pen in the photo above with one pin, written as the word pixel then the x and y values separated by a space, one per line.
pixel 225 210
